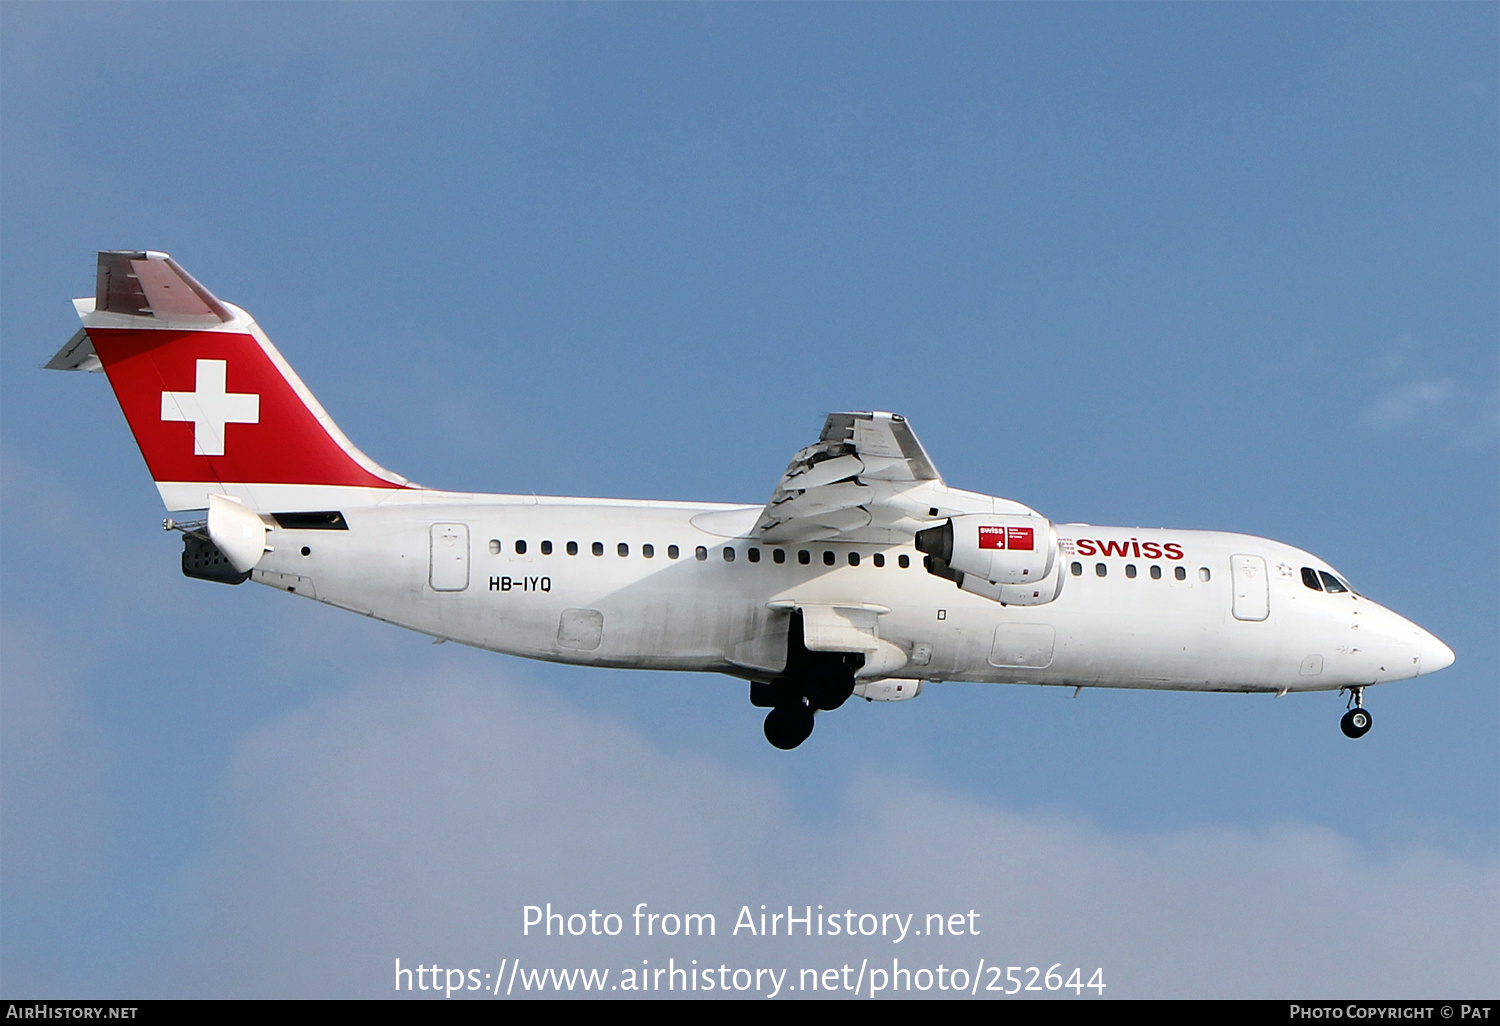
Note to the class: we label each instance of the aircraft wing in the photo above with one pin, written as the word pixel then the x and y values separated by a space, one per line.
pixel 867 478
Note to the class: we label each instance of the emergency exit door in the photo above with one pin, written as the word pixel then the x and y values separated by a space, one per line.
pixel 450 557
pixel 1252 591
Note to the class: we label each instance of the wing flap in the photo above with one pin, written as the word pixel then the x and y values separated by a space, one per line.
pixel 855 478
pixel 819 475
pixel 822 499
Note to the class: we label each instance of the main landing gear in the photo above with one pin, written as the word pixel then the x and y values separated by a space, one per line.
pixel 1356 722
pixel 812 681
pixel 787 726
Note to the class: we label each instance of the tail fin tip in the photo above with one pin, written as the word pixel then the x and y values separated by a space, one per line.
pixel 147 283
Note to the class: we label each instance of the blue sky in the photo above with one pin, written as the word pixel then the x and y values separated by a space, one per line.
pixel 1208 266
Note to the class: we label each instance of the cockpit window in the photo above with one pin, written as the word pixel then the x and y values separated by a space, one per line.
pixel 1310 578
pixel 1331 584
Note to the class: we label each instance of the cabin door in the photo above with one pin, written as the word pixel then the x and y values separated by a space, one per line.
pixel 450 557
pixel 1252 592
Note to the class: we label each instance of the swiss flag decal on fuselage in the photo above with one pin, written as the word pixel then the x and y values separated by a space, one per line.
pixel 1016 539
pixel 214 406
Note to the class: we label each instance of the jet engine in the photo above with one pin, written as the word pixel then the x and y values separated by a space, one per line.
pixel 1006 557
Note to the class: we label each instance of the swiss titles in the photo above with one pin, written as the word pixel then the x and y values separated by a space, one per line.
pixel 1134 548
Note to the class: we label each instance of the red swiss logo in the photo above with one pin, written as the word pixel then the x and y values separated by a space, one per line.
pixel 1016 539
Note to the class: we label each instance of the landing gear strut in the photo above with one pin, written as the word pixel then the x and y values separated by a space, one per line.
pixel 812 681
pixel 1356 722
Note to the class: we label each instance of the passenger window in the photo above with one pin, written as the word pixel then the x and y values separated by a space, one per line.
pixel 879 558
pixel 546 548
pixel 623 549
pixel 1156 573
pixel 1203 573
pixel 1180 572
pixel 779 555
pixel 752 554
pixel 728 554
pixel 520 548
pixel 572 548
pixel 854 559
pixel 1100 569
pixel 1310 578
pixel 648 550
pixel 494 546
pixel 672 551
pixel 598 548
pixel 700 553
pixel 804 557
pixel 1130 570
pixel 903 561
pixel 1077 569
pixel 1331 584
pixel 827 557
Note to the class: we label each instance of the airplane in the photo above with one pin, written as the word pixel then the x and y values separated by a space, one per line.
pixel 864 575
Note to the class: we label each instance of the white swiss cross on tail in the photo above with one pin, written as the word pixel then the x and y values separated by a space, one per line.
pixel 210 407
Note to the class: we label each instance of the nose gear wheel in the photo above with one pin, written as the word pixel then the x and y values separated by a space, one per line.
pixel 1357 721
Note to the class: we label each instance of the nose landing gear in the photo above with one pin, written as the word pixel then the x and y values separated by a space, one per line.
pixel 1356 722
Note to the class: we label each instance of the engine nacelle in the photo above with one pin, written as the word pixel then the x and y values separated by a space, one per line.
pixel 1036 593
pixel 890 689
pixel 998 548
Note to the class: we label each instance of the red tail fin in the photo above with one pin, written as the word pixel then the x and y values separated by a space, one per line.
pixel 214 407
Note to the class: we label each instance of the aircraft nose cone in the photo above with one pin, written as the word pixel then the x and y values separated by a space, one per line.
pixel 1435 655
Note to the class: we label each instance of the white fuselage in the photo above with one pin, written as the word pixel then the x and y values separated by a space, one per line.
pixel 864 574
pixel 707 597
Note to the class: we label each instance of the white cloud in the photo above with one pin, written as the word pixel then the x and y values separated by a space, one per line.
pixel 1398 406
pixel 54 759
pixel 1415 384
pixel 416 819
